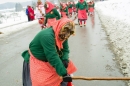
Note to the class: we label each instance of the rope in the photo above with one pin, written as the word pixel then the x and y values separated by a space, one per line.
pixel 99 78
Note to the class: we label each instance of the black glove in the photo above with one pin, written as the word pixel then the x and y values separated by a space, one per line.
pixel 65 63
pixel 67 79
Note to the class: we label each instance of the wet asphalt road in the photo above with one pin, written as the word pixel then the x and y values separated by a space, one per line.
pixel 89 51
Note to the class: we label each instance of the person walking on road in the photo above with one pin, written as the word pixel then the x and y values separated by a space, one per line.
pixel 51 14
pixel 70 9
pixel 31 13
pixel 91 8
pixel 64 10
pixel 40 13
pixel 82 8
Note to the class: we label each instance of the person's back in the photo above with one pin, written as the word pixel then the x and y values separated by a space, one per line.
pixel 36 46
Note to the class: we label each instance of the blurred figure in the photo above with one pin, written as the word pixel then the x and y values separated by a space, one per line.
pixel 31 13
pixel 40 13
pixel 74 8
pixel 27 13
pixel 70 8
pixel 82 8
pixel 64 10
pixel 51 14
pixel 91 8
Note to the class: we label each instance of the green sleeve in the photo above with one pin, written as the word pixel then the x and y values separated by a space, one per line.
pixel 93 5
pixel 77 5
pixel 86 6
pixel 65 51
pixel 57 14
pixel 48 43
pixel 67 10
pixel 71 5
pixel 60 8
pixel 26 55
pixel 46 20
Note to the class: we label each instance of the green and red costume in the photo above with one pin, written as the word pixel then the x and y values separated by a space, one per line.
pixel 82 6
pixel 51 14
pixel 70 8
pixel 91 7
pixel 45 55
pixel 64 10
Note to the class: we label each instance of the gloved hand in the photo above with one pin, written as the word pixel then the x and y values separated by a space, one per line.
pixel 65 63
pixel 67 79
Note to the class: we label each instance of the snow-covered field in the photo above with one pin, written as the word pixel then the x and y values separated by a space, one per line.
pixel 10 18
pixel 115 17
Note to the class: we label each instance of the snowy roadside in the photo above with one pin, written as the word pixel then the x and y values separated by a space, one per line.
pixel 8 30
pixel 115 17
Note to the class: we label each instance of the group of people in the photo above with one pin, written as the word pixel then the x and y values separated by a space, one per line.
pixel 30 13
pixel 47 61
pixel 82 9
pixel 48 12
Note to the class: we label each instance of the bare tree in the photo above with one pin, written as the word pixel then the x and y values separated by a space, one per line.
pixel 18 7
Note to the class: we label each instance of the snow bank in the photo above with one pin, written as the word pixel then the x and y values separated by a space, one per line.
pixel 18 27
pixel 115 17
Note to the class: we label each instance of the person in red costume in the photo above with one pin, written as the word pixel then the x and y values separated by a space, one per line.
pixel 31 13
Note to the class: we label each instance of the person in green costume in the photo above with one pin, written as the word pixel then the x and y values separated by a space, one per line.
pixel 51 13
pixel 82 8
pixel 64 10
pixel 48 55
pixel 91 8
pixel 74 8
pixel 70 8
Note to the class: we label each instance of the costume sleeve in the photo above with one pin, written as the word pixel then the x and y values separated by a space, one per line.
pixel 86 6
pixel 93 5
pixel 57 14
pixel 67 11
pixel 65 51
pixel 46 17
pixel 77 6
pixel 60 8
pixel 48 43
pixel 26 55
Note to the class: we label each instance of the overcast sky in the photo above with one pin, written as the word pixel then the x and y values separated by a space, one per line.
pixel 4 1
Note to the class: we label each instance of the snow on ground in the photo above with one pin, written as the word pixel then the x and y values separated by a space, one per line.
pixel 14 21
pixel 11 29
pixel 11 18
pixel 115 17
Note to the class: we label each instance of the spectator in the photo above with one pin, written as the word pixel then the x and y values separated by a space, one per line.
pixel 27 13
